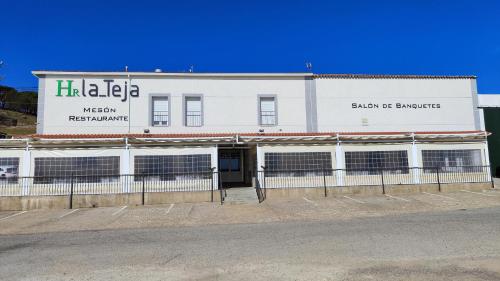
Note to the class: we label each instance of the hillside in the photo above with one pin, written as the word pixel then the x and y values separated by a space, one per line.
pixel 26 123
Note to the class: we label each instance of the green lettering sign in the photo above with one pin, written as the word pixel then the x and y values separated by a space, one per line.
pixel 60 88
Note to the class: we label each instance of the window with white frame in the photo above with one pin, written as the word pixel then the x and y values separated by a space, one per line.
pixel 297 163
pixel 267 111
pixel 372 162
pixel 193 115
pixel 9 169
pixel 160 112
pixel 83 169
pixel 171 167
pixel 460 160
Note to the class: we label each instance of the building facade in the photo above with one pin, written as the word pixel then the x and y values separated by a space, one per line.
pixel 489 105
pixel 237 124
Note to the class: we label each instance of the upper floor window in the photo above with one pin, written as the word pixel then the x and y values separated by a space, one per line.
pixel 193 115
pixel 160 111
pixel 267 111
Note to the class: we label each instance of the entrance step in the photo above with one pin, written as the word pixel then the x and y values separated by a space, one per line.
pixel 241 195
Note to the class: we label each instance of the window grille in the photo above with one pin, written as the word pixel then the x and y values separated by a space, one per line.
pixel 371 162
pixel 297 163
pixel 193 112
pixel 160 111
pixel 169 167
pixel 462 160
pixel 84 169
pixel 9 169
pixel 267 108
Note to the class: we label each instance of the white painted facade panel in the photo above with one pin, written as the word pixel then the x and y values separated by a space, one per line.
pixel 229 105
pixel 368 105
pixel 489 100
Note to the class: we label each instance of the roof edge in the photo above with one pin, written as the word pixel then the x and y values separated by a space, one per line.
pixel 41 73
pixel 392 76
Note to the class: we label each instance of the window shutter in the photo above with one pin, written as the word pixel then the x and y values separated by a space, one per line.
pixel 267 104
pixel 160 104
pixel 193 114
pixel 193 104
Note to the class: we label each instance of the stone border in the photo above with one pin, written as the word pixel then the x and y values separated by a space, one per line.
pixel 20 203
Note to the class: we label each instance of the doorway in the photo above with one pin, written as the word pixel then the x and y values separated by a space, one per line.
pixel 234 167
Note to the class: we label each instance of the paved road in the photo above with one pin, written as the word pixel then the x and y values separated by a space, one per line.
pixel 441 245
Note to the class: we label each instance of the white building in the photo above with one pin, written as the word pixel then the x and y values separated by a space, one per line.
pixel 108 123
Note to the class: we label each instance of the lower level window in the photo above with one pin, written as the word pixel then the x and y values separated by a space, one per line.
pixel 171 167
pixel 372 162
pixel 9 169
pixel 229 161
pixel 297 163
pixel 83 169
pixel 462 160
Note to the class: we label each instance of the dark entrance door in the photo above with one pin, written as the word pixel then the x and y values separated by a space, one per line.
pixel 232 167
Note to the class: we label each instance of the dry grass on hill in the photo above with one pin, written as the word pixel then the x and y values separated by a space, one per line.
pixel 26 124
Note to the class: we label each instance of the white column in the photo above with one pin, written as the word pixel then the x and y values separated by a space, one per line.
pixel 260 158
pixel 214 158
pixel 414 158
pixel 482 125
pixel 125 167
pixel 260 163
pixel 339 164
pixel 26 172
pixel 487 159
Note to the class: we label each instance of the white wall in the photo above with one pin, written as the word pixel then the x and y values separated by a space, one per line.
pixel 335 97
pixel 489 100
pixel 229 104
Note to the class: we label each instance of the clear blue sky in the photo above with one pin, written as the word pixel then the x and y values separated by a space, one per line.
pixel 383 37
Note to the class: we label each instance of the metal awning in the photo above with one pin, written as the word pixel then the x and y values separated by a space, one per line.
pixel 212 139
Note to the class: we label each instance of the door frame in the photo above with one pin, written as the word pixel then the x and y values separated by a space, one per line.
pixel 243 180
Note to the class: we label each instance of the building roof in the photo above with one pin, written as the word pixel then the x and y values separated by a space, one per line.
pixel 41 73
pixel 393 76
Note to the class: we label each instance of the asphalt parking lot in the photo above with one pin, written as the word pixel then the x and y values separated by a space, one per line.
pixel 298 209
pixel 446 237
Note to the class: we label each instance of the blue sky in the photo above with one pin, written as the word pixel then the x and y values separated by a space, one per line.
pixel 380 37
